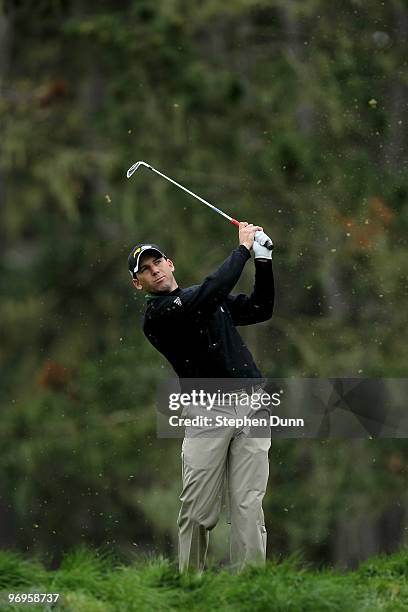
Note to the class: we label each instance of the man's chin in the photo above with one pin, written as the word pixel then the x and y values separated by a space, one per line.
pixel 162 289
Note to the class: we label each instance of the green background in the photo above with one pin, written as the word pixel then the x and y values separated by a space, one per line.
pixel 289 114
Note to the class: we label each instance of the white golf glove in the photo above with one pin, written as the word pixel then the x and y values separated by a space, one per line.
pixel 260 251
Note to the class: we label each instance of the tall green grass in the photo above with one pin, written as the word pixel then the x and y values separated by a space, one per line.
pixel 90 581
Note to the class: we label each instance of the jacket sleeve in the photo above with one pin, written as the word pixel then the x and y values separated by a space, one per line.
pixel 203 300
pixel 257 307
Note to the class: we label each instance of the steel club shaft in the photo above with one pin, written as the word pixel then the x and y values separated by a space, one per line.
pixel 137 165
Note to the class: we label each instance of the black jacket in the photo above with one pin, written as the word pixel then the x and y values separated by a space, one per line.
pixel 195 328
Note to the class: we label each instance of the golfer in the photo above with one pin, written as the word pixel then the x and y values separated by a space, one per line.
pixel 195 329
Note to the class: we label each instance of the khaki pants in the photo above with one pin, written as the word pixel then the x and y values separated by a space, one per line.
pixel 214 463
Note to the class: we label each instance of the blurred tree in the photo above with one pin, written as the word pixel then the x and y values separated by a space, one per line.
pixel 296 114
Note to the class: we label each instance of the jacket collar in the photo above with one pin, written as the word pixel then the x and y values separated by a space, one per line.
pixel 154 296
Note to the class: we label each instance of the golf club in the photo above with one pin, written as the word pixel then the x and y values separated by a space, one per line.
pixel 260 237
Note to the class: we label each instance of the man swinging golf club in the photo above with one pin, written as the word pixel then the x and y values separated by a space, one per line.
pixel 195 329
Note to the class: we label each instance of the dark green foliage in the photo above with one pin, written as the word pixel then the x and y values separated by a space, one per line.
pixel 290 114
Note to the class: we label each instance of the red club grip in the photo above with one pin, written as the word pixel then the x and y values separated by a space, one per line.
pixel 235 222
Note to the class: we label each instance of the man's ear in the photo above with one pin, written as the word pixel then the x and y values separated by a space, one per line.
pixel 171 264
pixel 136 284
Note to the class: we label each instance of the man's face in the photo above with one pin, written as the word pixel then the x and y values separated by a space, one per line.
pixel 155 274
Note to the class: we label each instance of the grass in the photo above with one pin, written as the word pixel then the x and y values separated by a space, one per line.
pixel 89 581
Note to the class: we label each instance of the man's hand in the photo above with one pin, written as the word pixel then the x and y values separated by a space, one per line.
pixel 247 234
pixel 260 251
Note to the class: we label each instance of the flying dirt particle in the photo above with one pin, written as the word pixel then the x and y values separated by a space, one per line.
pixel 381 39
pixel 333 250
pixel 108 199
pixel 129 131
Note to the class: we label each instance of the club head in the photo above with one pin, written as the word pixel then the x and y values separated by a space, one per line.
pixel 135 167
